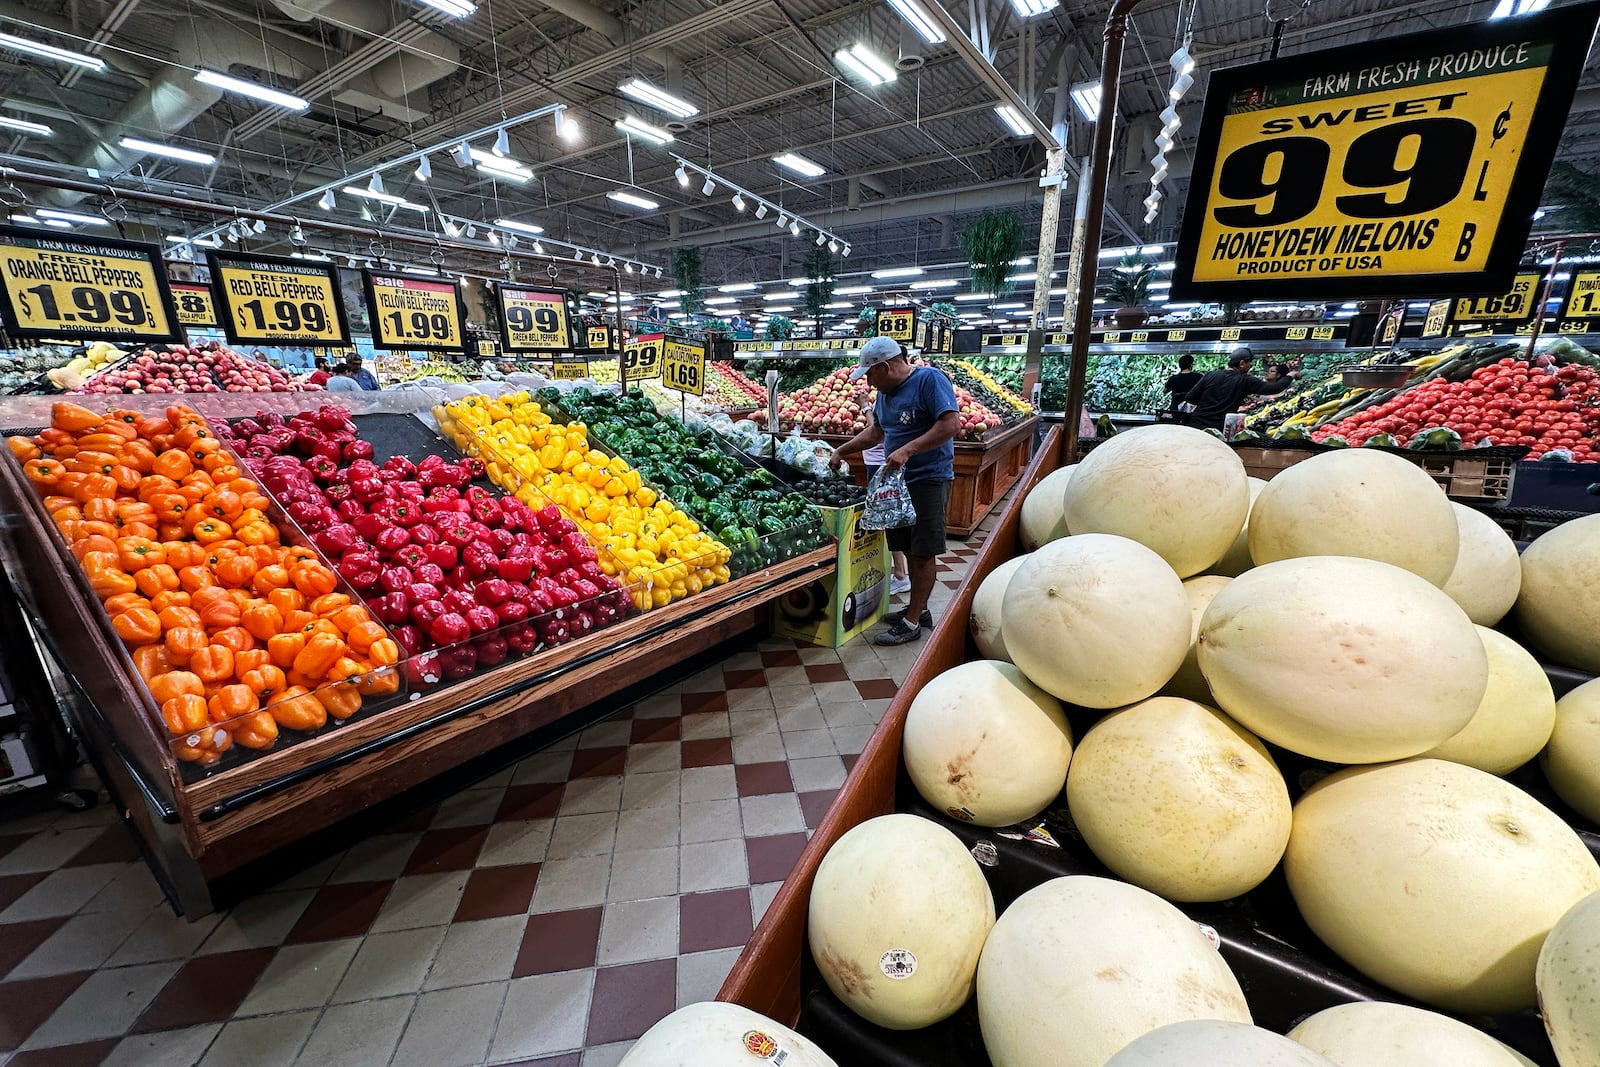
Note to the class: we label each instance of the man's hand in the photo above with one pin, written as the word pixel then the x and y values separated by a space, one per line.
pixel 897 459
pixel 835 461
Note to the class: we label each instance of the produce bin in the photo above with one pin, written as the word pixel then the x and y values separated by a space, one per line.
pixel 1477 475
pixel 836 608
pixel 1556 487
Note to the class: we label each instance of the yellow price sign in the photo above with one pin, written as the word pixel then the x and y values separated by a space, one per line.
pixel 194 304
pixel 1231 333
pixel 54 286
pixel 534 320
pixel 1112 337
pixel 1383 168
pixel 898 324
pixel 486 350
pixel 1139 337
pixel 569 370
pixel 1177 335
pixel 683 367
pixel 1438 317
pixel 1583 296
pixel 1572 326
pixel 641 357
pixel 410 313
pixel 1514 305
pixel 1323 333
pixel 1389 329
pixel 1296 333
pixel 269 300
pixel 922 334
pixel 597 338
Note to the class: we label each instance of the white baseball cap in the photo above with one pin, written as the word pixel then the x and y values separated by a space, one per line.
pixel 875 351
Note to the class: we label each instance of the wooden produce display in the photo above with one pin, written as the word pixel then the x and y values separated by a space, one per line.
pixel 197 827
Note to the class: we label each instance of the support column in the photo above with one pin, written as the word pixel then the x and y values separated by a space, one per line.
pixel 1044 263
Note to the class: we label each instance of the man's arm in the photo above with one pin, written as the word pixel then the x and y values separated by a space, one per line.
pixel 1194 392
pixel 862 441
pixel 944 429
pixel 1262 387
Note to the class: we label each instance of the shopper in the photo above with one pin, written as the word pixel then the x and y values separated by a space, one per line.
pixel 899 580
pixel 364 378
pixel 1277 372
pixel 916 418
pixel 343 380
pixel 1178 385
pixel 321 375
pixel 1219 393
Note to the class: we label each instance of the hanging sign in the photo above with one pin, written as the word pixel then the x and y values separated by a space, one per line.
pixel 1515 305
pixel 1436 322
pixel 534 320
pixel 1390 167
pixel 597 339
pixel 641 357
pixel 683 367
pixel 414 314
pixel 55 286
pixel 1583 297
pixel 194 304
pixel 569 370
pixel 270 300
pixel 922 333
pixel 486 350
pixel 898 324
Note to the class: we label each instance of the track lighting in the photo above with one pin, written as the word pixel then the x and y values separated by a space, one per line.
pixel 822 238
pixel 794 228
pixel 297 235
pixel 761 211
pixel 424 169
pixel 260 226
pixel 738 201
pixel 708 188
pixel 539 248
pixel 683 176
pixel 472 231
pixel 628 267
pixel 567 129
pixel 783 220
pixel 451 229
pixel 846 252
pixel 462 154
pixel 375 184
pixel 833 246
pixel 502 143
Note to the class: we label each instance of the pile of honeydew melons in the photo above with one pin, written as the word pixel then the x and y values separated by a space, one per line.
pixel 1342 613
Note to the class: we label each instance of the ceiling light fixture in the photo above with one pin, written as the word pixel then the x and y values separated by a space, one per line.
pixel 375 184
pixel 822 238
pixel 457 8
pixel 1029 8
pixel 462 154
pixel 936 283
pixel 708 188
pixel 897 272
pixel 861 61
pixel 659 99
pixel 384 198
pixel 783 220
pixel 737 287
pixel 451 229
pixel 80 219
pixel 50 51
pixel 854 290
pixel 1013 120
pixel 502 143
pixel 1087 96
pixel 501 167
pixel 622 196
pixel 139 144
pixel 567 129
pixel 38 129
pixel 520 227
pixel 800 165
pixel 683 175
pixel 630 125
pixel 794 228
pixel 918 19
pixel 328 202
pixel 263 93
pixel 424 169
pixel 846 252
pixel 833 246
pixel 738 201
pixel 260 225
pixel 1518 7
pixel 761 211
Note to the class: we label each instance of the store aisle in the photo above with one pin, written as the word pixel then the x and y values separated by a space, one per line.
pixel 547 916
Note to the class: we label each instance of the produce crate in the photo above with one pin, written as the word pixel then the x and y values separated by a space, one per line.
pixel 837 607
pixel 1263 463
pixel 1474 475
pixel 1557 487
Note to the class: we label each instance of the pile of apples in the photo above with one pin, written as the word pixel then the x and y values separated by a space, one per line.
pixel 976 418
pixel 833 405
pixel 205 368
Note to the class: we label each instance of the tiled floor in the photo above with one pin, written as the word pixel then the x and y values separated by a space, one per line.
pixel 547 916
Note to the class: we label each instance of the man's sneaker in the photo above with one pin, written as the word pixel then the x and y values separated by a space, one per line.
pixel 899 585
pixel 898 634
pixel 926 619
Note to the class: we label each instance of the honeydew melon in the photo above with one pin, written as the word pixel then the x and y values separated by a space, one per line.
pixel 985 620
pixel 1237 559
pixel 1569 985
pixel 1042 520
pixel 1189 682
pixel 718 1034
pixel 1571 760
pixel 1378 1032
pixel 1515 717
pixel 1558 606
pixel 1488 572
pixel 1212 1043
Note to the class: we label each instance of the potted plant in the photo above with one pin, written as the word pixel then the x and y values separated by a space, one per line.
pixel 779 328
pixel 1127 288
pixel 992 242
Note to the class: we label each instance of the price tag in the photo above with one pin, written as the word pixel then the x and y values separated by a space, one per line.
pixel 1177 335
pixel 269 300
pixel 194 304
pixel 1323 333
pixel 1583 296
pixel 1139 337
pixel 1433 325
pixel 410 313
pixel 597 338
pixel 1296 333
pixel 922 334
pixel 534 320
pixel 641 357
pixel 1574 326
pixel 1412 164
pixel 683 367
pixel 55 286
pixel 486 350
pixel 1515 305
pixel 1390 327
pixel 570 370
pixel 1231 333
pixel 1112 337
pixel 899 324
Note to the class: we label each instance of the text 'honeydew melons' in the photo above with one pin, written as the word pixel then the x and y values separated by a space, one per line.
pixel 1357 502
pixel 1178 798
pixel 718 1034
pixel 1436 879
pixel 1488 571
pixel 987 604
pixel 1559 604
pixel 1042 519
pixel 899 913
pixel 1342 659
pixel 1569 985
pixel 1097 620
pixel 1236 560
pixel 1371 1032
pixel 1571 760
pixel 1189 682
pixel 1213 1043
pixel 1078 967
pixel 1515 717
pixel 1175 489
pixel 985 745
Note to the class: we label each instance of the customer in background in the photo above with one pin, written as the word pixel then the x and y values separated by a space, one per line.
pixel 323 372
pixel 364 378
pixel 917 419
pixel 1219 393
pixel 343 380
pixel 1277 372
pixel 1178 385
pixel 899 580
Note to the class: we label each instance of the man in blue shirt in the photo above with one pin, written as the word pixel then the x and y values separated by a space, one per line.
pixel 916 418
pixel 363 377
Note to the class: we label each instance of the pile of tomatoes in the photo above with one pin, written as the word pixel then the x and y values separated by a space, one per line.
pixel 1511 402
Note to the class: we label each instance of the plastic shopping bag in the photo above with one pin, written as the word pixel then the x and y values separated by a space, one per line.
pixel 888 502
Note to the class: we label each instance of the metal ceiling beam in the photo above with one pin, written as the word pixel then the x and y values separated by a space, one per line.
pixel 978 62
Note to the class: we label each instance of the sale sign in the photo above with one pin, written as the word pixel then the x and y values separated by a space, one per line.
pixel 1412 165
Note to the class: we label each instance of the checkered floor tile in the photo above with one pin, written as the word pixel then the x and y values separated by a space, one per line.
pixel 547 916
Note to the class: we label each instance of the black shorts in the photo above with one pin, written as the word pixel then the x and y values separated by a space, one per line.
pixel 926 537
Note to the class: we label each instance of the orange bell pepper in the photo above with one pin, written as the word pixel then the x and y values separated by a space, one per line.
pixel 73 418
pixel 298 621
pixel 151 662
pixel 362 636
pixel 100 509
pixel 381 682
pixel 93 543
pixel 173 463
pixel 167 598
pixel 214 663
pixel 176 683
pixel 285 648
pixel 257 731
pixel 116 605
pixel 296 709
pixel 218 613
pixel 139 456
pixel 328 604
pixel 313 579
pixel 341 701
pixel 231 702
pixel 269 578
pixel 208 530
pixel 236 571
pixel 91 461
pixel 45 472
pixel 347 619
pixel 184 642
pixel 265 682
pixel 195 577
pixel 106 577
pixel 319 655
pixel 384 653
pixel 184 713
pixel 169 507
pixel 250 660
pixel 235 637
pixel 176 617
pixel 96 485
pixel 136 553
pixel 23 449
pixel 223 504
pixel 263 621
pixel 137 626
pixel 287 600
pixel 155 579
pixel 131 512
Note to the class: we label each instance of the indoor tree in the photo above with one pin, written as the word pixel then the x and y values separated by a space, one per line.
pixel 819 283
pixel 992 241
pixel 686 271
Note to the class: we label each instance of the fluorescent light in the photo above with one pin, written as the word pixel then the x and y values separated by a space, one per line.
pixel 939 283
pixel 670 293
pixel 202 241
pixel 1029 8
pixel 263 93
pixel 500 166
pixel 1168 265
pixel 962 298
pixel 50 51
pixel 384 198
pixel 860 61
pixel 630 125
pixel 428 272
pixel 633 200
pixel 778 308
pixel 800 165
pixel 1013 120
pixel 139 144
pixel 1108 253
pixel 72 216
pixel 918 19
pixel 737 287
pixel 898 272
pixel 837 304
pixel 1008 307
pixel 1087 96
pixel 1518 7
pixel 854 290
pixel 799 282
pixel 661 100
pixel 520 227
pixel 39 129
pixel 715 300
pixel 457 8
pixel 57 223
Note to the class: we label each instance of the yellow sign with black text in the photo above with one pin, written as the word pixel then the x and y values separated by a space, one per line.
pixel 570 370
pixel 194 304
pixel 1516 305
pixel 534 320
pixel 55 286
pixel 269 300
pixel 1437 319
pixel 641 357
pixel 898 324
pixel 1391 167
pixel 597 338
pixel 486 350
pixel 1583 296
pixel 683 367
pixel 408 313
